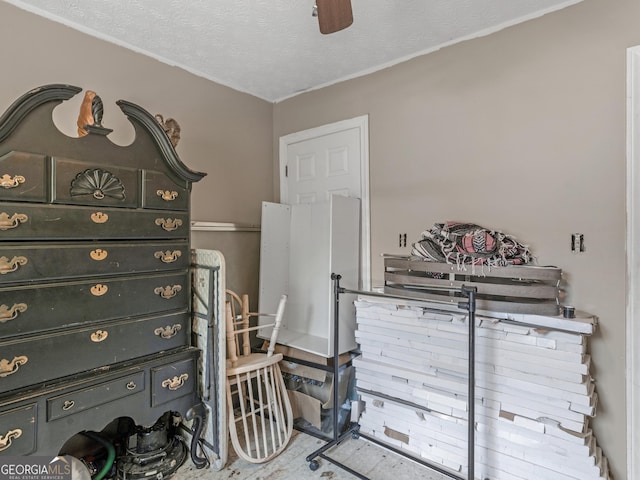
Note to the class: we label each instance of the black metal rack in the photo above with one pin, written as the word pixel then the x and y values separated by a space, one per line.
pixel 354 429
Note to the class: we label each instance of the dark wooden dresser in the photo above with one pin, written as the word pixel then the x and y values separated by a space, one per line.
pixel 94 276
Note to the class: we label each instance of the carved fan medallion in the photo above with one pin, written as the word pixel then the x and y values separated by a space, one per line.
pixel 98 183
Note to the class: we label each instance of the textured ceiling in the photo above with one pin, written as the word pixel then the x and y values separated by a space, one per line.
pixel 273 49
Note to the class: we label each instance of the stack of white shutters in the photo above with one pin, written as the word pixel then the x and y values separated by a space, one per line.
pixel 534 392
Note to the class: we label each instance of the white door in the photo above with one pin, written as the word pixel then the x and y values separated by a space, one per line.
pixel 633 262
pixel 330 160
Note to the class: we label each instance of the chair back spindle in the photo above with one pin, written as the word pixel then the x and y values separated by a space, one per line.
pixel 258 406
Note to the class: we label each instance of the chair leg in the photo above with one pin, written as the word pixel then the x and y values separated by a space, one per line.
pixel 264 413
pixel 232 348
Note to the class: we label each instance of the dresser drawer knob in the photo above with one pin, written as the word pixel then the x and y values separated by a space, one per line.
pixel 99 336
pixel 68 405
pixel 7 181
pixel 12 313
pixel 132 385
pixel 99 217
pixel 168 291
pixel 10 367
pixel 169 331
pixel 169 224
pixel 98 254
pixel 8 266
pixel 5 442
pixel 168 256
pixel 176 382
pixel 99 289
pixel 7 223
pixel 166 195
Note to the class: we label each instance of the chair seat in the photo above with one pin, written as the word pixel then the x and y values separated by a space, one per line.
pixel 251 362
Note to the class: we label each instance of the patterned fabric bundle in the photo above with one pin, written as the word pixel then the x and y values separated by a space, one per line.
pixel 470 244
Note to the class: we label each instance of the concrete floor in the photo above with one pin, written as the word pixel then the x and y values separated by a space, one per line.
pixel 368 459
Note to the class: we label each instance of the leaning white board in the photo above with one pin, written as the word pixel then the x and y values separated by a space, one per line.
pixel 301 246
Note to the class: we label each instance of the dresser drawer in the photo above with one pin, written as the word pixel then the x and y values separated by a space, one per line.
pixel 54 222
pixel 42 358
pixel 85 184
pixel 23 177
pixel 79 400
pixel 18 430
pixel 33 308
pixel 172 381
pixel 163 193
pixel 19 263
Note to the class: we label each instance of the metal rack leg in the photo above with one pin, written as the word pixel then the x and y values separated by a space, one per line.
pixel 470 306
pixel 313 464
pixel 353 431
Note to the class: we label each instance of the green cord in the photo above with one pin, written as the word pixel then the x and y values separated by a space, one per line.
pixel 111 454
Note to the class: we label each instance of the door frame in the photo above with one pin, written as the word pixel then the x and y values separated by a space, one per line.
pixel 361 123
pixel 633 262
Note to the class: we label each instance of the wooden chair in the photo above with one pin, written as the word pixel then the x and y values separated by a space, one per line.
pixel 259 411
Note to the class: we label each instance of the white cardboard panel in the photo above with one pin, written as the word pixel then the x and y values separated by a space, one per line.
pixel 309 282
pixel 581 324
pixel 301 246
pixel 580 391
pixel 345 261
pixel 530 424
pixel 405 329
pixel 274 257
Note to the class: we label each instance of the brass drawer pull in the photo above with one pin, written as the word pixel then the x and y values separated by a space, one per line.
pixel 168 291
pixel 99 336
pixel 131 385
pixel 8 266
pixel 167 195
pixel 169 224
pixel 99 289
pixel 12 313
pixel 169 331
pixel 176 382
pixel 168 256
pixel 68 405
pixel 7 181
pixel 5 442
pixel 98 254
pixel 99 217
pixel 7 223
pixel 10 367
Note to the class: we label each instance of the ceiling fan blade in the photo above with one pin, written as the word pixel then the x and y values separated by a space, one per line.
pixel 334 15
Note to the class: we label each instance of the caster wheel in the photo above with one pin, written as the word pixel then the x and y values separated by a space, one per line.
pixel 355 435
pixel 314 465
